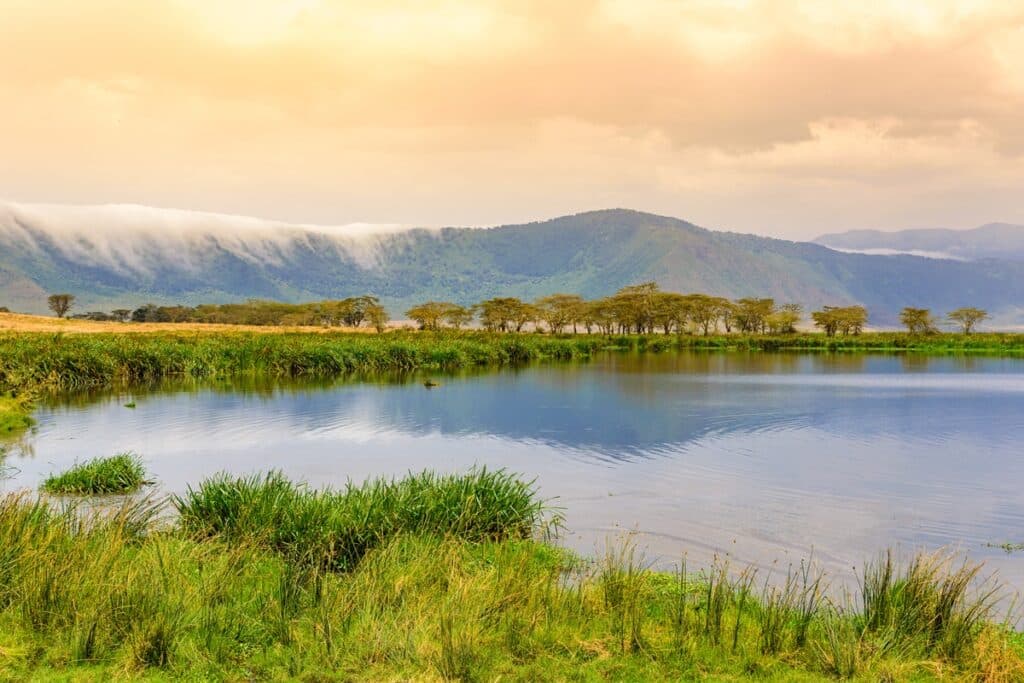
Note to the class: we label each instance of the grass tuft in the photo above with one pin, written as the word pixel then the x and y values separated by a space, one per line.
pixel 335 529
pixel 118 474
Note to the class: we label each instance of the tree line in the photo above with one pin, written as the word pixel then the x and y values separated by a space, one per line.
pixel 636 309
pixel 350 312
pixel 646 309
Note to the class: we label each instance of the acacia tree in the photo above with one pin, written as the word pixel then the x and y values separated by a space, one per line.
pixel 376 316
pixel 634 307
pixel 457 316
pixel 60 303
pixel 429 315
pixel 559 311
pixel 122 314
pixel 967 318
pixel 917 320
pixel 751 315
pixel 847 320
pixel 504 314
pixel 785 319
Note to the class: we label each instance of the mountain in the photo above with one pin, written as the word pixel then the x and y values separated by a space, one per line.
pixel 995 240
pixel 114 256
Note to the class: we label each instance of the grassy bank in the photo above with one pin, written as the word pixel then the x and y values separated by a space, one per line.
pixel 68 362
pixel 78 361
pixel 453 585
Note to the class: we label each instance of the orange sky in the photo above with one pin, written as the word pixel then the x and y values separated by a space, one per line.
pixel 779 117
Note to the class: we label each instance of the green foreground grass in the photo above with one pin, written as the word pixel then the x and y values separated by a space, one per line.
pixel 117 474
pixel 443 578
pixel 35 360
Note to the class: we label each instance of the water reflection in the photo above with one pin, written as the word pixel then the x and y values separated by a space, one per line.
pixel 781 453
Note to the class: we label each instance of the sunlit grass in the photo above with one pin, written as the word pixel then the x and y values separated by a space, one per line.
pixel 118 474
pixel 459 586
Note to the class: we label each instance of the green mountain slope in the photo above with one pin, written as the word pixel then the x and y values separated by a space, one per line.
pixel 592 253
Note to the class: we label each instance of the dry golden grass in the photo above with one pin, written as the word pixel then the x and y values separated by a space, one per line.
pixel 20 322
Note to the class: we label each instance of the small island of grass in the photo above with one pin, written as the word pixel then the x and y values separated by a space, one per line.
pixel 118 474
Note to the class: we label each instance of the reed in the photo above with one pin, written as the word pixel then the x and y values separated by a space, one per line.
pixel 117 474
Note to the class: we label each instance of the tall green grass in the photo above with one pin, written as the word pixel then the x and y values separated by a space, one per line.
pixel 30 360
pixel 335 529
pixel 452 592
pixel 80 361
pixel 117 474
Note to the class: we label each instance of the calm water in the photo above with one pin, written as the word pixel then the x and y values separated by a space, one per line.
pixel 767 457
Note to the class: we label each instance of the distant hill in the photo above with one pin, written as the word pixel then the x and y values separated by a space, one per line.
pixel 123 256
pixel 995 240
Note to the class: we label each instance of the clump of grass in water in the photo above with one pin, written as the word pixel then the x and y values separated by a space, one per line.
pixel 117 474
pixel 14 414
pixel 336 528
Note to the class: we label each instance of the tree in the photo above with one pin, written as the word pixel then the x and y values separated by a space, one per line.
pixel 600 314
pixel 847 320
pixel 917 320
pixel 634 307
pixel 751 314
pixel 559 311
pixel 146 314
pixel 704 311
pixel 967 318
pixel 430 314
pixel 457 316
pixel 785 319
pixel 505 314
pixel 353 310
pixel 60 303
pixel 121 314
pixel 376 316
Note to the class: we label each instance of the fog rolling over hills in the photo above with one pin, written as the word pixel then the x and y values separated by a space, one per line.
pixel 994 240
pixel 113 256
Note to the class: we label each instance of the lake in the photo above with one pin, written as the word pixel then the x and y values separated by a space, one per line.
pixel 767 457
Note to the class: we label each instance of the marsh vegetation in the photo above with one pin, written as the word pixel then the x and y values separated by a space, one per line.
pixel 447 577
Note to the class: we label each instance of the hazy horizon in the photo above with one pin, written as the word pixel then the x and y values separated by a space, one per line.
pixel 786 118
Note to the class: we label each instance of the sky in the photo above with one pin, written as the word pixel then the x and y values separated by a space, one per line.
pixel 788 118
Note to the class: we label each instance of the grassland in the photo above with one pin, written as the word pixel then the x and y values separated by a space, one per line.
pixel 452 580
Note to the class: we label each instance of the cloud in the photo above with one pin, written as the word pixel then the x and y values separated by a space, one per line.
pixel 477 112
pixel 132 239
